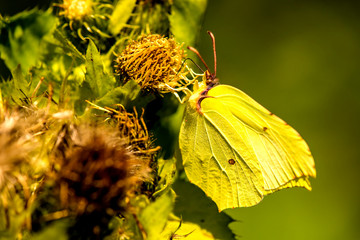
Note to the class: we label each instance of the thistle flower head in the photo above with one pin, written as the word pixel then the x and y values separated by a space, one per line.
pixel 88 17
pixel 76 9
pixel 153 62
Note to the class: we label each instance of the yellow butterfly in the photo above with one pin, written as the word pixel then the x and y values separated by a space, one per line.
pixel 237 151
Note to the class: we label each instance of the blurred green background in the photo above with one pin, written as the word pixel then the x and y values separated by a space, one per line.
pixel 301 60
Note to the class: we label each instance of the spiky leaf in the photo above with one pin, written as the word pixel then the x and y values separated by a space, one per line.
pixel 100 82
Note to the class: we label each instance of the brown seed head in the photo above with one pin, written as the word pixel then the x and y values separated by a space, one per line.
pixel 97 172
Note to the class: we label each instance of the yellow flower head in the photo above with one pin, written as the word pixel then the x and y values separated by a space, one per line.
pixel 76 9
pixel 153 62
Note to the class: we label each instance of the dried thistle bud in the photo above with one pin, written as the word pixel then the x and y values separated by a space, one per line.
pixel 153 62
pixel 13 139
pixel 20 171
pixel 19 128
pixel 132 129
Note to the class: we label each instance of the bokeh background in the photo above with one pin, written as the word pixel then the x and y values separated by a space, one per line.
pixel 301 60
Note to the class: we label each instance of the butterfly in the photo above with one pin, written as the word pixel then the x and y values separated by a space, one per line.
pixel 236 150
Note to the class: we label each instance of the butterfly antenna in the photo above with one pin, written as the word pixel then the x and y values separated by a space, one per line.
pixel 198 54
pixel 183 64
pixel 214 49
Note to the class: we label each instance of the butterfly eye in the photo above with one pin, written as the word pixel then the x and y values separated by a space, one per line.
pixel 231 161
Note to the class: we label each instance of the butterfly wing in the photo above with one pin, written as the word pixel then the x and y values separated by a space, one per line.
pixel 284 156
pixel 216 157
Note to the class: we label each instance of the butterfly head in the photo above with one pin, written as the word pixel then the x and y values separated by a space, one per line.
pixel 210 79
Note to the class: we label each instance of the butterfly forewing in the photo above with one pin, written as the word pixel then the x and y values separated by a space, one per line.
pixel 283 155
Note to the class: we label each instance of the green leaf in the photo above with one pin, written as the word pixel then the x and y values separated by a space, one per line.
pixel 186 18
pixel 19 81
pixel 13 215
pixel 121 15
pixel 100 82
pixel 122 94
pixel 57 230
pixel 124 226
pixel 85 93
pixel 21 39
pixel 67 45
pixel 166 173
pixel 154 217
pixel 177 229
pixel 18 89
pixel 128 95
pixel 195 207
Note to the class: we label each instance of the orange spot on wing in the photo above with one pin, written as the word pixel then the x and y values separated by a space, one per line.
pixel 231 161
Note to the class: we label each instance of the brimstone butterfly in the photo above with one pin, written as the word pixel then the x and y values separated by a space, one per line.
pixel 237 151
